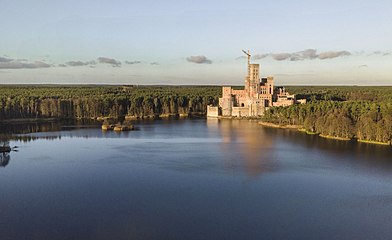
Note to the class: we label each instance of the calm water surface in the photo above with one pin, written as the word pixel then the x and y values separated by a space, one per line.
pixel 193 179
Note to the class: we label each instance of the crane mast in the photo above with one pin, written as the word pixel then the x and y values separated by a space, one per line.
pixel 248 54
pixel 247 79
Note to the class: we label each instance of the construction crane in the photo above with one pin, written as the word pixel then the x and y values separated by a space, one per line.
pixel 248 54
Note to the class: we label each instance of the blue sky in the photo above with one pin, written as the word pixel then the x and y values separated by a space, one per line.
pixel 195 42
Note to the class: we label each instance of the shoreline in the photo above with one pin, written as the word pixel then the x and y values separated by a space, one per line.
pixel 301 129
pixel 375 142
pixel 102 118
pixel 298 128
pixel 29 120
pixel 273 125
pixel 335 138
pixel 163 116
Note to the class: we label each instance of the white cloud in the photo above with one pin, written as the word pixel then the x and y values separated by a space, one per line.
pixel 20 65
pixel 303 55
pixel 111 61
pixel 199 59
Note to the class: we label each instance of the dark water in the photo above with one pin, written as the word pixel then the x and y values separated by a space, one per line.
pixel 193 179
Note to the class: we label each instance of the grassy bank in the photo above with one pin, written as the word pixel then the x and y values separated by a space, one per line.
pixel 272 125
pixel 375 142
pixel 334 137
pixel 301 129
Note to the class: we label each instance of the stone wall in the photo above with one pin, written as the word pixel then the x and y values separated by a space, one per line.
pixel 240 112
pixel 212 111
pixel 283 103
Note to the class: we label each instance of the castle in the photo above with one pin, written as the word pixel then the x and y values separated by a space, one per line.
pixel 251 101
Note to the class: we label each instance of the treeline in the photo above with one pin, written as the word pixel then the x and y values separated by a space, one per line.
pixel 69 102
pixel 363 113
pixel 343 93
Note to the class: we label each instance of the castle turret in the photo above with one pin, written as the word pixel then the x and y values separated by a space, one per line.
pixel 226 102
pixel 254 78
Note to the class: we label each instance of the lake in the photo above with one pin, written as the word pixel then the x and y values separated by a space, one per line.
pixel 192 179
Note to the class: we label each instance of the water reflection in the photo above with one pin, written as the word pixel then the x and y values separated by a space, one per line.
pixel 251 147
pixel 51 126
pixel 349 152
pixel 193 180
pixel 4 159
pixel 29 138
pixel 5 149
pixel 245 146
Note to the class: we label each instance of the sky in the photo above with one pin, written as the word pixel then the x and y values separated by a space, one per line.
pixel 334 42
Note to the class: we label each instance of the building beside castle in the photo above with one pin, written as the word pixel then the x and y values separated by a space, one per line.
pixel 257 95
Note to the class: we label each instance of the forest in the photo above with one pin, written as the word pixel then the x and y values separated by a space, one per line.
pixel 361 113
pixel 82 102
pixel 349 112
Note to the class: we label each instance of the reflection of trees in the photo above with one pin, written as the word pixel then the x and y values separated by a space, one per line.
pixel 26 131
pixel 4 142
pixel 4 159
pixel 46 126
pixel 4 151
pixel 23 128
pixel 33 138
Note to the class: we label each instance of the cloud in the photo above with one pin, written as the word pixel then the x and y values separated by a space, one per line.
pixel 79 63
pixel 19 65
pixel 258 56
pixel 307 54
pixel 133 62
pixel 154 63
pixel 363 66
pixel 381 53
pixel 5 60
pixel 111 61
pixel 281 56
pixel 296 56
pixel 332 54
pixel 199 59
pixel 62 65
pixel 9 63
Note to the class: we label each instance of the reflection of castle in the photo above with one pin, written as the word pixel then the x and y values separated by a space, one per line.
pixel 253 99
pixel 240 146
